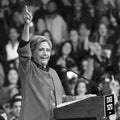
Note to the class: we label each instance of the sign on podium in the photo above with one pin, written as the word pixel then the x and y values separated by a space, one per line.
pixel 93 107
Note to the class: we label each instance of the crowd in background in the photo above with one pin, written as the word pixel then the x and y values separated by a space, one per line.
pixel 86 40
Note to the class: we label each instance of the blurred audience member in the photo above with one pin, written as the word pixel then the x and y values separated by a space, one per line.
pixel 83 42
pixel 74 38
pixel 3 115
pixel 65 59
pixel 40 26
pixel 81 87
pixel 53 19
pixel 117 110
pixel 12 45
pixel 4 94
pixel 13 81
pixel 16 20
pixel 65 8
pixel 72 84
pixel 15 106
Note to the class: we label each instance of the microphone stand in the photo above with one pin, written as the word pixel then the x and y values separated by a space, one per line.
pixel 89 81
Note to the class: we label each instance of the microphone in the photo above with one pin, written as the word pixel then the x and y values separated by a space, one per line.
pixel 100 92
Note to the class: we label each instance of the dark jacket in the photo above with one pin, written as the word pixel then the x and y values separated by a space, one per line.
pixel 41 89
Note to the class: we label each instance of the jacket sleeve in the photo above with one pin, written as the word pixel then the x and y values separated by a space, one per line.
pixel 24 52
pixel 24 49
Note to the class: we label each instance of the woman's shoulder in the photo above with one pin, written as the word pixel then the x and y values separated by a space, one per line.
pixel 52 70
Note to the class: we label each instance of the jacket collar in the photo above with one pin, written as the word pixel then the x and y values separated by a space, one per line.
pixel 41 66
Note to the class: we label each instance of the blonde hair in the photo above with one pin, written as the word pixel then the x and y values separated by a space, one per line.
pixel 37 39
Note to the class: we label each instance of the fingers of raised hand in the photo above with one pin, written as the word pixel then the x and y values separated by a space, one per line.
pixel 26 8
pixel 27 15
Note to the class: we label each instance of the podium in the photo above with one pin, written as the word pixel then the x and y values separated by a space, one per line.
pixel 86 109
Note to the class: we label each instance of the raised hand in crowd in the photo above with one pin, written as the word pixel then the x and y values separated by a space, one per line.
pixel 27 16
pixel 27 20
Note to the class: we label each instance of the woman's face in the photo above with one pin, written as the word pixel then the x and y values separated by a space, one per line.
pixel 52 7
pixel 13 76
pixel 102 30
pixel 13 34
pixel 81 89
pixel 42 53
pixel 104 20
pixel 66 49
pixel 40 25
pixel 74 36
pixel 84 64
pixel 47 35
pixel 16 108
pixel 82 29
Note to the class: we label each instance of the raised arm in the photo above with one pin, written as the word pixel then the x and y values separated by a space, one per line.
pixel 24 50
pixel 27 20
